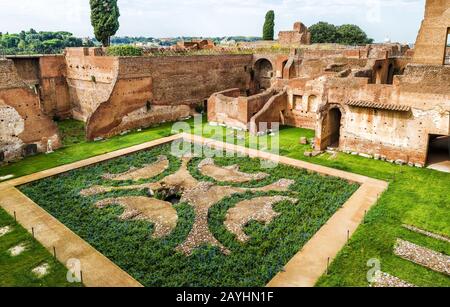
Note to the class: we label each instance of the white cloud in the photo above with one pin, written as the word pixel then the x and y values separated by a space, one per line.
pixel 399 19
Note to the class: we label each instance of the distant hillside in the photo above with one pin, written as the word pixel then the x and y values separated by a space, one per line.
pixel 43 42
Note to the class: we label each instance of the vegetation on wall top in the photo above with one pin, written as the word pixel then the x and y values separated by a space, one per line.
pixel 124 50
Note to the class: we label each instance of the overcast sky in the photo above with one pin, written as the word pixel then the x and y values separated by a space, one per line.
pixel 396 19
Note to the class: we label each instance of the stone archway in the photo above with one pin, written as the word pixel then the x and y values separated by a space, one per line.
pixel 263 69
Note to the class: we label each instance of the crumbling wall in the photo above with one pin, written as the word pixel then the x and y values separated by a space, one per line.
pixel 392 134
pixel 91 80
pixel 269 114
pixel 233 110
pixel 115 94
pixel 299 36
pixel 54 90
pixel 22 121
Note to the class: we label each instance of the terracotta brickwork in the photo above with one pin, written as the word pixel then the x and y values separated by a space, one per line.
pixel 299 36
pixel 431 42
pixel 22 121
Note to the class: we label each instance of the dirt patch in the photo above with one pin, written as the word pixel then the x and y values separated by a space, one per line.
pixel 146 172
pixel 17 250
pixel 155 211
pixel 423 256
pixel 258 209
pixel 5 230
pixel 228 173
pixel 42 270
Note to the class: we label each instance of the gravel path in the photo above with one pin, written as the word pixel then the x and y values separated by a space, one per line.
pixel 423 256
pixel 427 233
pixel 385 280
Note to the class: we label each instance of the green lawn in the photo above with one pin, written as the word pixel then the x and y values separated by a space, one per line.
pixel 416 196
pixel 16 271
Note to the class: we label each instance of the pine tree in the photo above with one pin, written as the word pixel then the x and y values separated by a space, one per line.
pixel 105 19
pixel 269 26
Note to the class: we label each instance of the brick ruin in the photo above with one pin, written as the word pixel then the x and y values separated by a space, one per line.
pixel 300 35
pixel 384 101
pixel 380 101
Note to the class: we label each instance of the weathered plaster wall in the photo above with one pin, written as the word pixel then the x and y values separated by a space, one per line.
pixel 22 121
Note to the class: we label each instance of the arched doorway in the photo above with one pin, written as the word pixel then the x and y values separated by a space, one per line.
pixel 283 67
pixel 263 74
pixel 334 124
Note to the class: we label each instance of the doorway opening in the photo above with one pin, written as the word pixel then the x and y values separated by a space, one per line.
pixel 439 152
pixel 391 72
pixel 334 120
pixel 263 74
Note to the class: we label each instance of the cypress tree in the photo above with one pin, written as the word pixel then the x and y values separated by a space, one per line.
pixel 269 26
pixel 105 19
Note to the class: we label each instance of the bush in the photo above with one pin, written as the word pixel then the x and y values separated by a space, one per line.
pixel 323 32
pixel 124 50
pixel 352 35
pixel 348 34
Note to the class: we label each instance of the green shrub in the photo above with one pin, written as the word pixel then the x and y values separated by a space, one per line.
pixel 124 50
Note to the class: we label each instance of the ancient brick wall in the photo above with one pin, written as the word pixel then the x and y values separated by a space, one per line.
pixel 91 80
pixel 397 135
pixel 299 36
pixel 431 40
pixel 54 90
pixel 22 121
pixel 47 74
pixel 116 94
pixel 270 113
pixel 233 110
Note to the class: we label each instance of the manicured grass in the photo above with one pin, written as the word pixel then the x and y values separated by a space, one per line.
pixel 419 197
pixel 16 271
pixel 155 262
pixel 416 196
pixel 77 152
pixel 72 132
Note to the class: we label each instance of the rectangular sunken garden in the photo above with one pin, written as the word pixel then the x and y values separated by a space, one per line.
pixel 192 221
